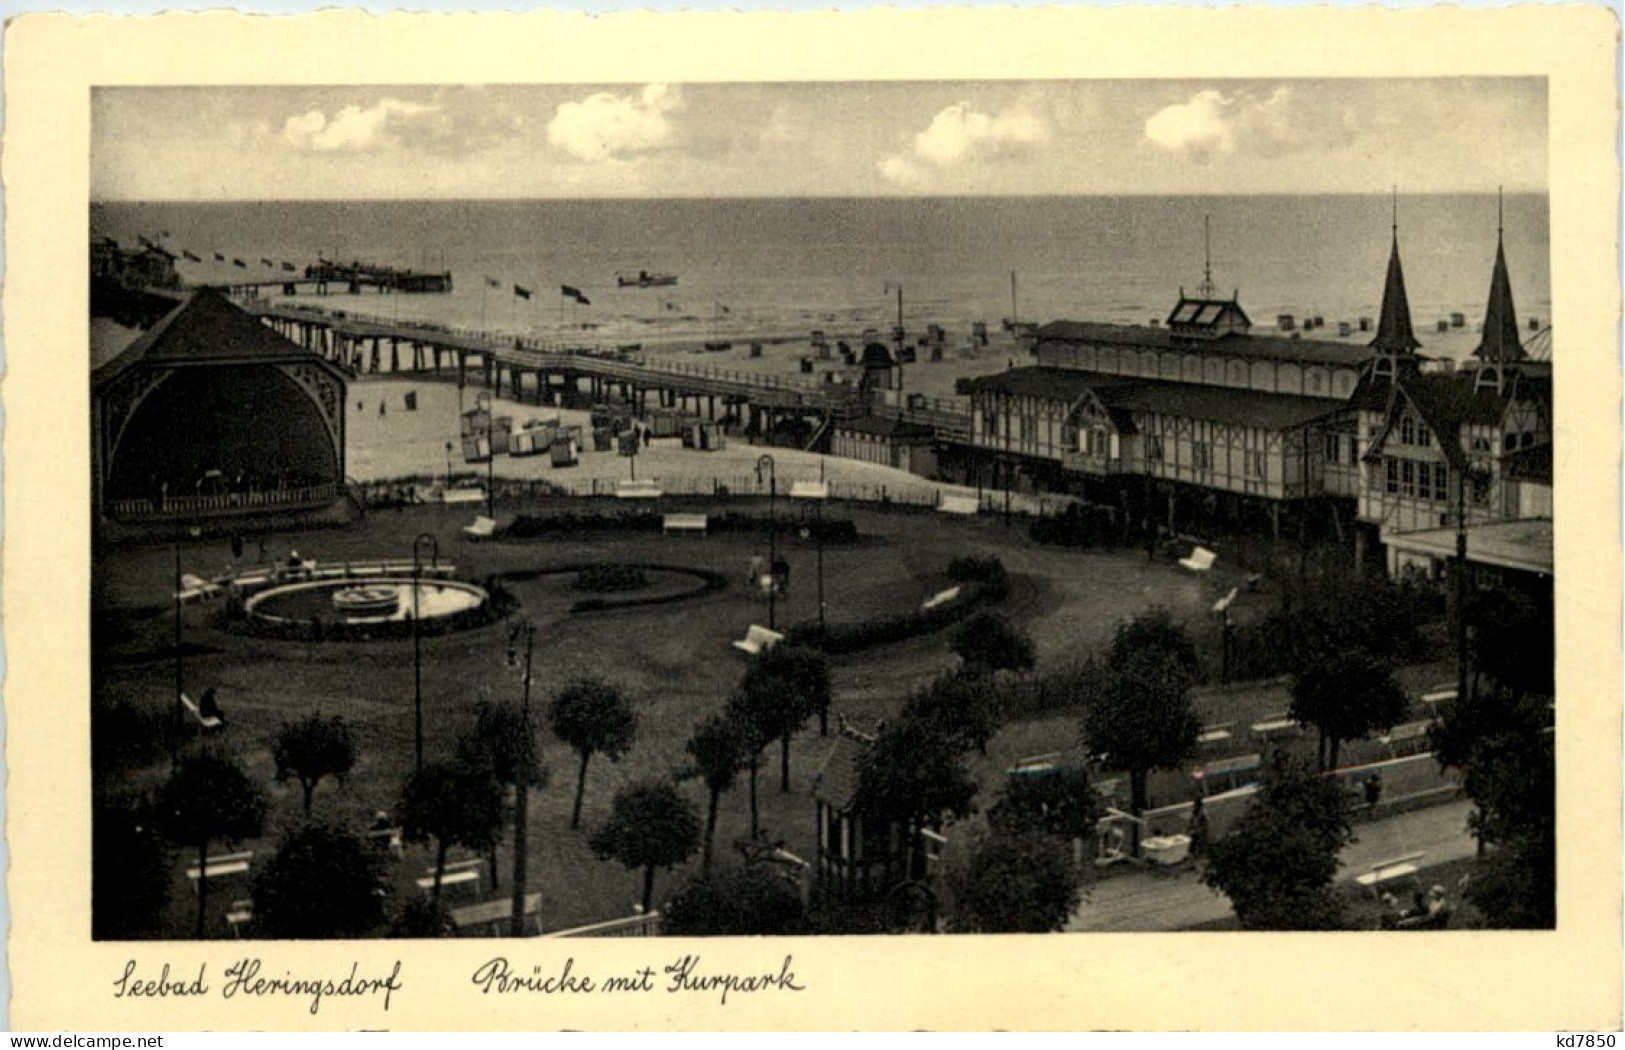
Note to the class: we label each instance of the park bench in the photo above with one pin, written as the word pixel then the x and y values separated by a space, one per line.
pixel 1201 560
pixel 646 489
pixel 809 490
pixel 1437 695
pixel 457 873
pixel 240 914
pixel 1385 872
pixel 758 640
pixel 462 496
pixel 1408 739
pixel 195 588
pixel 211 722
pixel 1273 726
pixel 220 867
pixel 483 528
pixel 389 838
pixel 497 914
pixel 940 598
pixel 1216 735
pixel 685 523
pixel 969 505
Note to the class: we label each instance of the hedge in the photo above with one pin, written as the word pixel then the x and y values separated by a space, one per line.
pixel 982 581
pixel 527 526
pixel 500 604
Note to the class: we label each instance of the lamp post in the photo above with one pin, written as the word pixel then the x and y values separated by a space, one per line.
pixel 766 463
pixel 483 401
pixel 1222 607
pixel 812 521
pixel 521 810
pixel 448 464
pixel 417 640
pixel 180 661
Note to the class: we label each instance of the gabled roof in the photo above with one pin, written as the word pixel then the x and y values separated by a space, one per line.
pixel 1501 340
pixel 207 328
pixel 1201 314
pixel 1394 333
pixel 1268 347
pixel 1446 402
pixel 1216 404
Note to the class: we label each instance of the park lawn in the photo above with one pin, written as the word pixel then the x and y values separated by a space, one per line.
pixel 675 661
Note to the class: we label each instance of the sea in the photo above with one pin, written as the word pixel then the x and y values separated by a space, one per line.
pixel 764 268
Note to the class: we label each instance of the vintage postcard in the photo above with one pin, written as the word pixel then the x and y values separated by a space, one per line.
pixel 976 519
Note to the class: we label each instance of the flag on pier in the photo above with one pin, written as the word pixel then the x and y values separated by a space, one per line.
pixel 239 264
pixel 583 300
pixel 266 261
pixel 288 266
pixel 188 254
pixel 521 292
pixel 571 293
pixel 723 309
pixel 669 305
pixel 219 258
pixel 492 282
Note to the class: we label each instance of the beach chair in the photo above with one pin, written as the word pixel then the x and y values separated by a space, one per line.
pixel 483 528
pixel 1201 560
pixel 1386 872
pixel 196 588
pixel 758 640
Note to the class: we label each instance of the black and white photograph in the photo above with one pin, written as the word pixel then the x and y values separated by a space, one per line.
pixel 941 507
pixel 896 520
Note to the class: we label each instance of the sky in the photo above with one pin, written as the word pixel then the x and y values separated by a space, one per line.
pixel 1442 135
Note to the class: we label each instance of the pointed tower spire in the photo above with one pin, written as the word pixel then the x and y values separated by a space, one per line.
pixel 1394 332
pixel 1501 343
pixel 1207 289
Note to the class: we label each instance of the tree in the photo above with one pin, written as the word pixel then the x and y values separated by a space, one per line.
pixel 312 748
pixel 967 708
pixel 718 746
pixel 1140 714
pixel 208 798
pixel 1513 644
pixel 594 718
pixel 1277 864
pixel 505 741
pixel 910 777
pixel 751 901
pixel 498 739
pixel 1346 696
pixel 323 881
pixel 456 805
pixel 130 865
pixel 650 826
pixel 1062 803
pixel 783 688
pixel 988 643
pixel 1015 882
pixel 1154 630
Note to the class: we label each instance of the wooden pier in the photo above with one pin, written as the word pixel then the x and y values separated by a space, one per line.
pixel 534 369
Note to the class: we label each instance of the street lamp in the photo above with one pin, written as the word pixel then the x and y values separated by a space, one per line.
pixel 176 719
pixel 483 401
pixel 812 523
pixel 417 639
pixel 766 463
pixel 521 811
pixel 448 464
pixel 1222 608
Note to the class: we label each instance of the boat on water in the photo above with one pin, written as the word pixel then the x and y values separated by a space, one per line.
pixel 645 279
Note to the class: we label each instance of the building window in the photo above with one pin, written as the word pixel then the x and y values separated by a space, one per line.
pixel 1407 478
pixel 1441 486
pixel 1153 448
pixel 1202 456
pixel 1511 443
pixel 1254 463
pixel 991 424
pixel 1334 448
pixel 1424 480
pixel 1029 428
pixel 1481 444
pixel 1393 475
pixel 1407 431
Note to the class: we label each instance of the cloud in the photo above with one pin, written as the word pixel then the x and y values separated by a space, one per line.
pixel 959 135
pixel 351 128
pixel 606 126
pixel 1211 124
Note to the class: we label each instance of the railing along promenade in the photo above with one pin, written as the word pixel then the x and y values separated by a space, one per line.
pixel 535 354
pixel 180 507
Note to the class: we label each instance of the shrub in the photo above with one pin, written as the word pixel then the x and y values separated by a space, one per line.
pixel 1078 525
